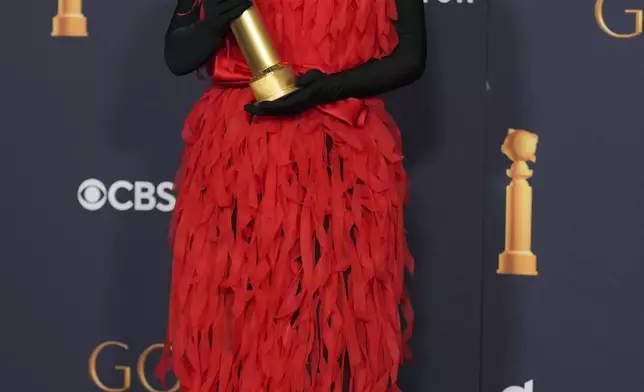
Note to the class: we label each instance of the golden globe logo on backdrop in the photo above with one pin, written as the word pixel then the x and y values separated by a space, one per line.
pixel 520 146
pixel 70 21
pixel 125 384
pixel 637 29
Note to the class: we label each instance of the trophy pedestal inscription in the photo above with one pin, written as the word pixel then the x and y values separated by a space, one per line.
pixel 276 83
pixel 272 78
pixel 517 258
pixel 70 21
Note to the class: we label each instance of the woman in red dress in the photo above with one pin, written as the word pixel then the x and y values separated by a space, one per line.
pixel 289 251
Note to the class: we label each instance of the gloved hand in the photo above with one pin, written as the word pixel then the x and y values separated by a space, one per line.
pixel 311 91
pixel 220 13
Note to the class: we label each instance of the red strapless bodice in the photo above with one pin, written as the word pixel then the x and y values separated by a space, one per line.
pixel 330 35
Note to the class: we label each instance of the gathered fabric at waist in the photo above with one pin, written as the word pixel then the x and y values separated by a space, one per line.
pixel 231 72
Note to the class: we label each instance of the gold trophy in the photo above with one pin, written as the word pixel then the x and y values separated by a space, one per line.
pixel 272 79
pixel 517 258
pixel 70 21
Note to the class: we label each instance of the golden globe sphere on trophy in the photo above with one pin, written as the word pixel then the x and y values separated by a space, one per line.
pixel 272 78
pixel 70 21
pixel 517 258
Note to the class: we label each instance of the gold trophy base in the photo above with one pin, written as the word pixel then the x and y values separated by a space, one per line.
pixel 517 262
pixel 274 83
pixel 70 25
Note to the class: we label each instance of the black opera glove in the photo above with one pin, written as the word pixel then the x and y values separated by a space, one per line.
pixel 190 42
pixel 221 13
pixel 311 91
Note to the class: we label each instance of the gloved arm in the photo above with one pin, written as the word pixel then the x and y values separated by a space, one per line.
pixel 402 67
pixel 190 41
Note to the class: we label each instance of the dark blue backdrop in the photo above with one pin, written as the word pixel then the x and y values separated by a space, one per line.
pixel 84 283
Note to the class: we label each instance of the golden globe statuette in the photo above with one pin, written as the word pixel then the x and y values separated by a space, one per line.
pixel 272 79
pixel 70 21
pixel 517 258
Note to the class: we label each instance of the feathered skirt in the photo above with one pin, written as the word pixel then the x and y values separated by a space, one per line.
pixel 289 251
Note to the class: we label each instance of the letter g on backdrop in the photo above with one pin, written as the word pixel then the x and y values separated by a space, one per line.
pixel 639 21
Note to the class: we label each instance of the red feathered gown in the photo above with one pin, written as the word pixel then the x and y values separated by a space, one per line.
pixel 289 251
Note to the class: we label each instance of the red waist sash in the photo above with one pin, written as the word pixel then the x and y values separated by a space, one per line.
pixel 231 72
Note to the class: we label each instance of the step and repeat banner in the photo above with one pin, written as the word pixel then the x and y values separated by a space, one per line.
pixel 532 287
pixel 569 71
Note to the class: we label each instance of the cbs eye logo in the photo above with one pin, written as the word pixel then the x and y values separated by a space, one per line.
pixel 124 195
pixel 92 194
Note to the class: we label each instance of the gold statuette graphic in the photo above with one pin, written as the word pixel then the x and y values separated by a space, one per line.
pixel 70 21
pixel 517 258
pixel 272 79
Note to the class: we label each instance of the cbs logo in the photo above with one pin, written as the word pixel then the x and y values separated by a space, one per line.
pixel 126 383
pixel 639 21
pixel 142 195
